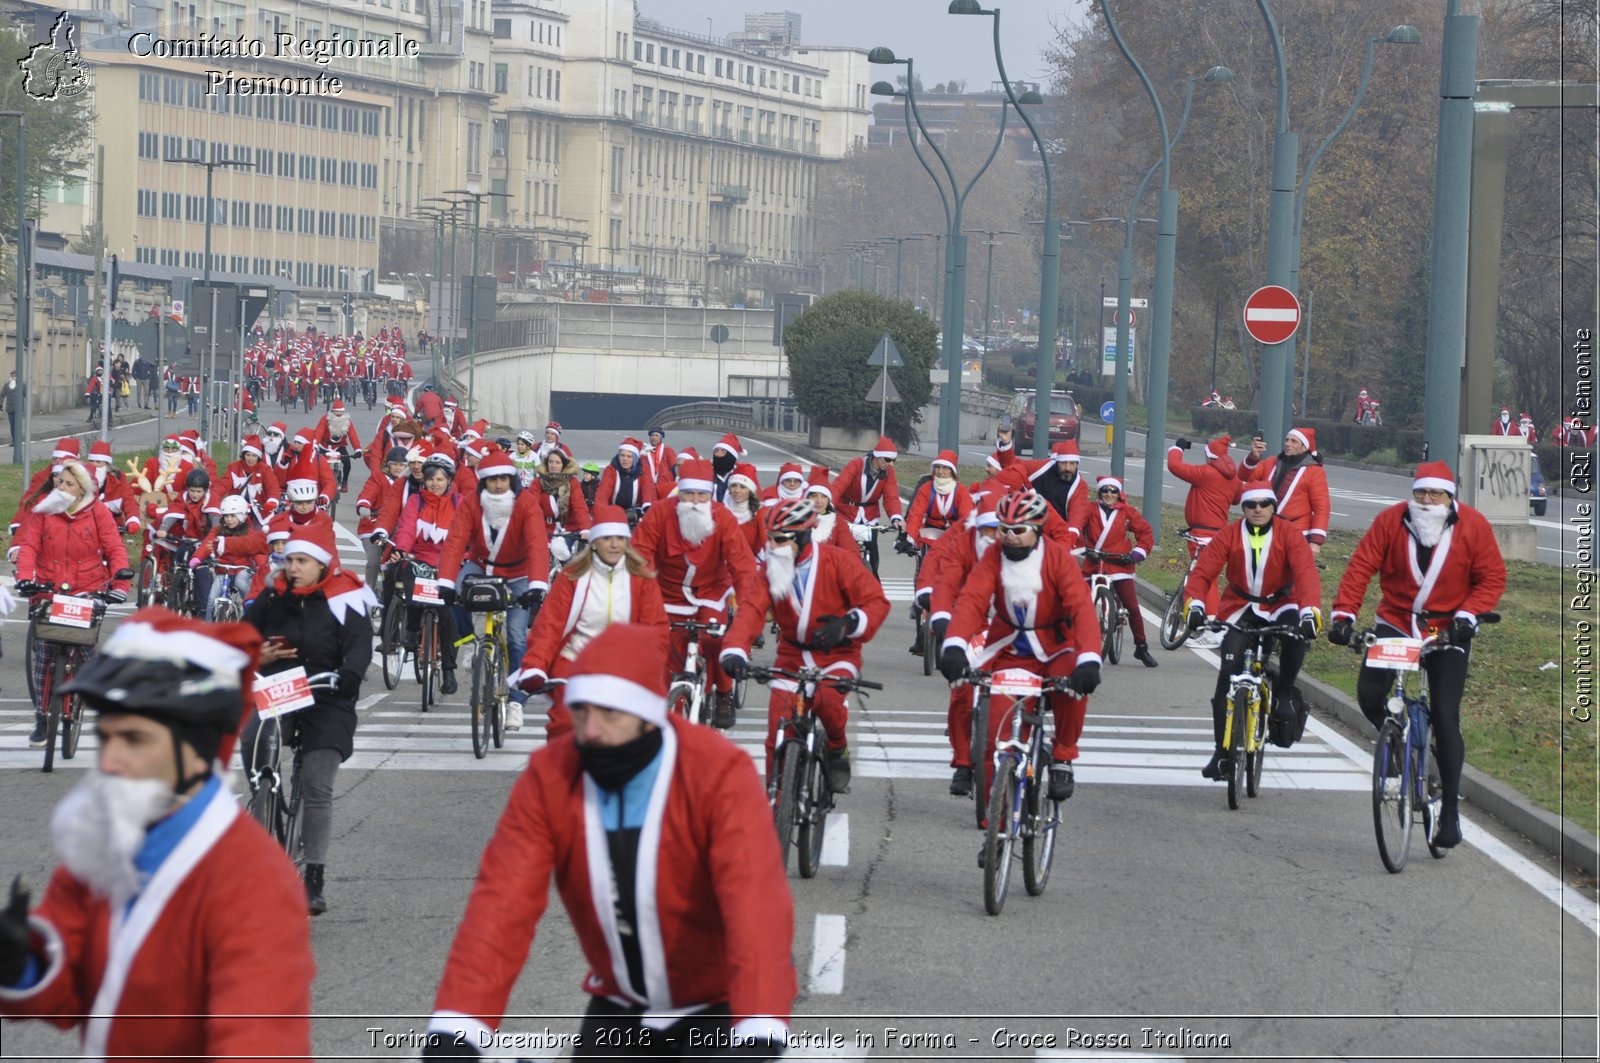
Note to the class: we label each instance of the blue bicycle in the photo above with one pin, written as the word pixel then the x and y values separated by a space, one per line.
pixel 1405 777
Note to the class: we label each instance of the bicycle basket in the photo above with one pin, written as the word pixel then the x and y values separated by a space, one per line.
pixel 46 629
pixel 484 594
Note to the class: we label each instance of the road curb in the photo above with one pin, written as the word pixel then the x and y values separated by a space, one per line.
pixel 1555 834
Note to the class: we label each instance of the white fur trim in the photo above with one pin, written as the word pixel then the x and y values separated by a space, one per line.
pixel 694 485
pixel 886 453
pixel 360 601
pixel 615 692
pixel 142 641
pixel 630 448
pixel 1257 494
pixel 1295 433
pixel 486 471
pixel 600 531
pixel 310 549
pixel 1433 483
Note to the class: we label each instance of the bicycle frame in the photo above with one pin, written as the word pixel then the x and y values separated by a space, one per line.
pixel 693 679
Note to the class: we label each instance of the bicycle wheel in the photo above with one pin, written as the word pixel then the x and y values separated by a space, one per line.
pixel 1174 622
pixel 293 827
pixel 71 725
pixel 1391 797
pixel 1105 611
pixel 266 803
pixel 1261 706
pixel 980 758
pixel 930 652
pixel 1238 762
pixel 740 687
pixel 789 755
pixel 391 647
pixel 1039 834
pixel 227 610
pixel 427 656
pixel 813 815
pixel 997 841
pixel 497 686
pixel 28 653
pixel 147 581
pixel 680 701
pixel 1430 794
pixel 1117 633
pixel 482 696
pixel 333 501
pixel 52 712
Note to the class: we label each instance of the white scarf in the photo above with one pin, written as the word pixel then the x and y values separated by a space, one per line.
pixel 981 544
pixel 824 529
pixel 1427 522
pixel 695 521
pixel 780 571
pixel 99 827
pixel 1023 580
pixel 944 487
pixel 789 494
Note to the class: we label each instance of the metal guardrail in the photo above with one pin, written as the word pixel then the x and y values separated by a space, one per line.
pixel 770 415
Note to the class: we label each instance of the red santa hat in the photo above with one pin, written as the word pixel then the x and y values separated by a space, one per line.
pixel 885 448
pixel 1258 494
pixel 315 540
pixel 791 471
pixel 694 475
pixel 817 483
pixel 449 402
pixel 476 429
pixel 495 462
pixel 1307 436
pixel 730 443
pixel 67 447
pixel 992 463
pixel 609 520
pixel 631 445
pixel 278 428
pixel 1065 452
pixel 745 473
pixel 398 410
pixel 337 408
pixel 1505 413
pixel 1434 476
pixel 624 668
pixel 988 511
pixel 100 451
pixel 1218 447
pixel 302 437
pixel 1524 417
pixel 252 445
pixel 687 454
pixel 1103 482
pixel 947 458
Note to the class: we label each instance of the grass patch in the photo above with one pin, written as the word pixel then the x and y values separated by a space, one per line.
pixel 1512 717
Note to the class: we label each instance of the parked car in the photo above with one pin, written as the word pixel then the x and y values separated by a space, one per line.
pixel 1063 417
pixel 1537 493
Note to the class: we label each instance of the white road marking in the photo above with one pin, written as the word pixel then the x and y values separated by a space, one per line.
pixel 827 956
pixel 836 840
pixel 1570 529
pixel 371 700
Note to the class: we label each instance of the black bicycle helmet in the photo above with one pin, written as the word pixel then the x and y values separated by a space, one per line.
pixel 197 478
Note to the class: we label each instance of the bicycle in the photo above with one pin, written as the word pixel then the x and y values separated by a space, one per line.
pixel 1250 703
pixel 1108 608
pixel 864 535
pixel 1020 807
pixel 70 624
pixel 1405 772
pixel 688 693
pixel 1175 621
pixel 801 797
pixel 179 592
pixel 369 391
pixel 920 617
pixel 228 606
pixel 339 460
pixel 490 595
pixel 266 802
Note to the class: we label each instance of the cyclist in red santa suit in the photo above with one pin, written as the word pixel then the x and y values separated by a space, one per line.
pixel 1032 603
pixel 744 502
pixel 606 583
pixel 830 529
pixel 827 607
pixel 866 486
pixel 626 483
pixel 702 561
pixel 1117 528
pixel 1206 508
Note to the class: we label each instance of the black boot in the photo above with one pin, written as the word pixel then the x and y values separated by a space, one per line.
pixel 448 684
pixel 314 902
pixel 1447 835
pixel 1141 651
pixel 1213 768
pixel 724 715
pixel 961 782
pixel 36 739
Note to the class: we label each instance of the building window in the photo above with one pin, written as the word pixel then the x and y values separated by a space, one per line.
pixel 500 77
pixel 501 132
pixel 474 147
pixel 502 29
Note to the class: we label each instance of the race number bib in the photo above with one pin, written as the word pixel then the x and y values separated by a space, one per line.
pixel 69 610
pixel 1396 654
pixel 426 592
pixel 1016 682
pixel 282 693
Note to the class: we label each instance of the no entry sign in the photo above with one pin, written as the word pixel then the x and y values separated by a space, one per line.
pixel 1271 314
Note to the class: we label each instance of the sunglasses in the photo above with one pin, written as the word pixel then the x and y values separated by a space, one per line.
pixel 781 537
pixel 1016 529
pixel 1257 505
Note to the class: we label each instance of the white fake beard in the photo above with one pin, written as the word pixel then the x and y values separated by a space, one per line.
pixel 824 530
pixel 982 543
pixel 272 451
pixel 338 425
pixel 1023 580
pixel 1427 522
pixel 170 462
pixel 789 494
pixel 780 571
pixel 944 487
pixel 100 472
pixel 101 824
pixel 56 501
pixel 695 521
pixel 497 508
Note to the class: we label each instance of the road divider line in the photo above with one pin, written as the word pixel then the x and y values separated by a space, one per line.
pixel 836 840
pixel 371 700
pixel 827 956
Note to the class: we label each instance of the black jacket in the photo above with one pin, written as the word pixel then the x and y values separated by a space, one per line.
pixel 324 645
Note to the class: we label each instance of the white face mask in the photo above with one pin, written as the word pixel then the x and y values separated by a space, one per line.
pixel 101 825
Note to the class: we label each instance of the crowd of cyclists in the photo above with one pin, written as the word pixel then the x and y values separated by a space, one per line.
pixel 611 575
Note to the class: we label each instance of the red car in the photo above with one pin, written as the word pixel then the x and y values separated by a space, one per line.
pixel 1063 417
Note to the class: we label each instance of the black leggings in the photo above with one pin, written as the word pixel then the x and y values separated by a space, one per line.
pixel 613 1031
pixel 1291 655
pixel 1447 680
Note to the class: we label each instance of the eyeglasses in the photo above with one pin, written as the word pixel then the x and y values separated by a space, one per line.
pixel 1431 494
pixel 1016 529
pixel 781 537
pixel 1257 505
pixel 1109 491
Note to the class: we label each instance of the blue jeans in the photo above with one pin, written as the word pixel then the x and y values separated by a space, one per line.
pixel 516 621
pixel 203 579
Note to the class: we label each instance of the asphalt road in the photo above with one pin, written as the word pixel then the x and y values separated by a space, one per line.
pixel 1272 932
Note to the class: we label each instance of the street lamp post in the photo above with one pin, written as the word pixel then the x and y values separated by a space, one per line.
pixel 20 446
pixel 988 290
pixel 1272 402
pixel 476 199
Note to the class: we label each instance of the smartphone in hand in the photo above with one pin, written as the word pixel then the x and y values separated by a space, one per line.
pixel 1005 422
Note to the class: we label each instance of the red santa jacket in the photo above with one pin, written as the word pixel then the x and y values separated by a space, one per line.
pixel 1057 620
pixel 932 514
pixel 658 462
pixel 1212 488
pixel 425 523
pixel 216 951
pixel 838 583
pixel 348 441
pixel 1284 580
pixel 326 483
pixel 395 497
pixel 1020 474
pixel 122 500
pixel 945 570
pixel 558 617
pixel 641 494
pixel 243 549
pixel 1465 576
pixel 258 485
pixel 1122 530
pixel 703 576
pixel 851 495
pixel 370 503
pixel 521 550
pixel 82 549
pixel 1302 498
pixel 718 926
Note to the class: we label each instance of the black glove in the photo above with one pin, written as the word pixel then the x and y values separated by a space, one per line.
pixel 830 631
pixel 902 545
pixel 1341 631
pixel 1086 678
pixel 1462 630
pixel 15 935
pixel 449 1046
pixel 1197 616
pixel 1181 443
pixel 940 626
pixel 116 597
pixel 530 598
pixel 734 666
pixel 447 595
pixel 1308 628
pixel 953 663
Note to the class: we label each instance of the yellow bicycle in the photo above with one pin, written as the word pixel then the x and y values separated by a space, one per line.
pixel 490 595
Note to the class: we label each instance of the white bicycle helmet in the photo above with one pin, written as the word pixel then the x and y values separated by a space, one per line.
pixel 234 506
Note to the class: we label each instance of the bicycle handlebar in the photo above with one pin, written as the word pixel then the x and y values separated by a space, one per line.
pixel 1109 558
pixel 1291 631
pixel 696 627
pixel 1047 684
pixel 1439 640
pixel 812 675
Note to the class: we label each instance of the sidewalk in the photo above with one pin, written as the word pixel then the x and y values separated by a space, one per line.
pixel 132 428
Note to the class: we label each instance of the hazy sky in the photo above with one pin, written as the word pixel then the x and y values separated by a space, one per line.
pixel 943 45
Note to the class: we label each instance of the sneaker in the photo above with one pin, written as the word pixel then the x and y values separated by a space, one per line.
pixel 1447 835
pixel 961 782
pixel 982 849
pixel 839 770
pixel 1205 640
pixel 513 716
pixel 1061 780
pixel 36 739
pixel 725 715
pixel 1141 652
pixel 916 648
pixel 1216 767
pixel 447 682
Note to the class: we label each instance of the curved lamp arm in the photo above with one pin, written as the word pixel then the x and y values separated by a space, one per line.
pixel 1150 90
pixel 1011 94
pixel 1305 182
pixel 1283 72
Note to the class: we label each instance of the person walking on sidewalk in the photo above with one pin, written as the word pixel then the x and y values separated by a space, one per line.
pixel 8 401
